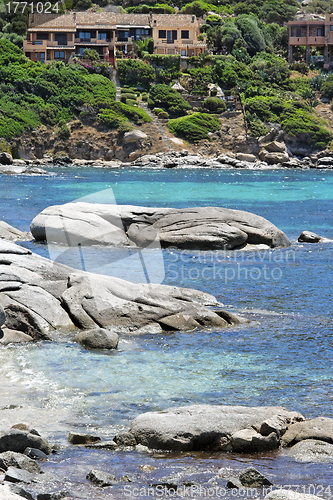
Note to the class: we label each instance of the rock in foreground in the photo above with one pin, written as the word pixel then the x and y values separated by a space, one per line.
pixel 202 228
pixel 220 428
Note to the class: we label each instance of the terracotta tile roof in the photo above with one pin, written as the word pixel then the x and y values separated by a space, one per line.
pixel 106 20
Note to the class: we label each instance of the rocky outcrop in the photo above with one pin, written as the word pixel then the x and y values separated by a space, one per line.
pixel 309 237
pixel 201 427
pixel 134 136
pixel 38 296
pixel 10 233
pixel 206 228
pixel 320 428
pixel 6 159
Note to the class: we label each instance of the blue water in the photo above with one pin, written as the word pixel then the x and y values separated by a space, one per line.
pixel 282 357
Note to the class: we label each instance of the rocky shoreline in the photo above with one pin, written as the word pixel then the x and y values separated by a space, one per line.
pixel 218 429
pixel 175 159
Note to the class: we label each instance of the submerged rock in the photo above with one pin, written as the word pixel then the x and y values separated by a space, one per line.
pixel 202 228
pixel 101 478
pixel 78 438
pixel 249 478
pixel 201 427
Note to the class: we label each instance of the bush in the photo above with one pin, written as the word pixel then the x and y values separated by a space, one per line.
pixel 194 127
pixel 64 132
pixel 157 111
pixel 163 115
pixel 214 105
pixel 301 67
pixel 165 97
pixel 135 72
pixel 131 102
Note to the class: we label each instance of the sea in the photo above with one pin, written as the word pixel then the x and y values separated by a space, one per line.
pixel 283 356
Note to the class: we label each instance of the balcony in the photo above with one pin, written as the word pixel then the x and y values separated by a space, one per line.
pixel 92 41
pixel 316 40
pixel 51 44
pixel 298 40
pixel 38 44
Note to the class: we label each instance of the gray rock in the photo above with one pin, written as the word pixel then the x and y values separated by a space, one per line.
pixel 78 438
pixel 57 495
pixel 246 157
pixel 105 445
pixel 8 336
pixel 20 461
pixel 326 160
pixel 278 424
pixel 309 237
pixel 2 316
pixel 14 475
pixel 8 232
pixel 35 454
pixel 125 439
pixel 320 428
pixel 275 147
pixel 6 159
pixel 234 483
pixel 197 228
pixel 311 450
pixel 274 158
pixel 18 440
pixel 101 478
pixel 250 441
pixel 134 136
pixel 281 494
pixel 18 490
pixel 6 493
pixel 198 427
pixel 252 478
pixel 127 307
pixel 98 338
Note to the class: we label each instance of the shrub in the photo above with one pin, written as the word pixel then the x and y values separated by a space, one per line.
pixel 131 102
pixel 165 97
pixel 301 67
pixel 64 132
pixel 163 115
pixel 214 105
pixel 135 72
pixel 157 111
pixel 194 127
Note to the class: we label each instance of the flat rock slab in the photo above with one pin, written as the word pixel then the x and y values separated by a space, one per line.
pixel 202 228
pixel 7 494
pixel 10 233
pixel 290 495
pixel 320 428
pixel 201 427
pixel 311 450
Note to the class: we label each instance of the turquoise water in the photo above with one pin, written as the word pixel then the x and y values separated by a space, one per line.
pixel 282 357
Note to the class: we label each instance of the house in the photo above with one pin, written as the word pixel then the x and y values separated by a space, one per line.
pixel 58 37
pixel 312 34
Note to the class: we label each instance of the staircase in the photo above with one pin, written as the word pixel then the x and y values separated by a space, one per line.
pixel 165 139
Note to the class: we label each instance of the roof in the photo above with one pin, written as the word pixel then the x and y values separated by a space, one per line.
pixel 106 20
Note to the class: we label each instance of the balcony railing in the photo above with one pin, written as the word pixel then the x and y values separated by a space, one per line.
pixel 94 41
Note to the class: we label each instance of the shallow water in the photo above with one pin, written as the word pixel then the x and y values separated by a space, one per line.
pixel 282 357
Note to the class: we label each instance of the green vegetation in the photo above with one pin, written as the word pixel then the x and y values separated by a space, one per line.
pixel 135 72
pixel 159 8
pixel 214 105
pixel 194 127
pixel 163 96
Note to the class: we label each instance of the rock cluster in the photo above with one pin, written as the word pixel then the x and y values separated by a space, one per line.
pixel 202 228
pixel 38 296
pixel 219 428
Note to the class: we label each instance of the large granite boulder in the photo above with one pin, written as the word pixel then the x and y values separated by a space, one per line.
pixel 38 296
pixel 7 494
pixel 200 427
pixel 320 428
pixel 205 228
pixel 125 307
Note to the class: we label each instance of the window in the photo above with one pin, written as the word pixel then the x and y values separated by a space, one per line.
pixel 161 33
pixel 42 57
pixel 84 35
pixel 61 38
pixel 320 32
pixel 331 28
pixel 36 55
pixel 42 36
pixel 102 36
pixel 331 19
pixel 59 54
pixel 185 34
pixel 183 52
pixel 298 31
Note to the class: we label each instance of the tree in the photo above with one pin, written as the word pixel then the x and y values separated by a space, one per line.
pixel 252 34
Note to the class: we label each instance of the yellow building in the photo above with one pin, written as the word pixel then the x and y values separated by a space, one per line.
pixel 58 37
